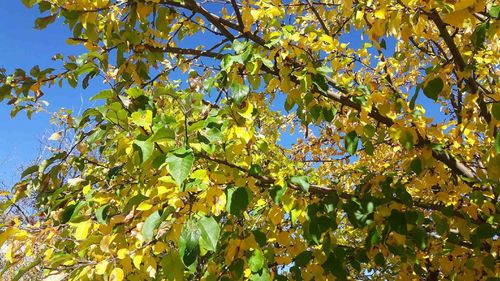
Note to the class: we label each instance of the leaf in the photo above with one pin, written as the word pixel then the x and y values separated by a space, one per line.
pixel 260 237
pixel 495 11
pixel 106 94
pixel 433 88
pixel 172 266
pixel 20 273
pixel 30 170
pixel 329 113
pixel 303 258
pixel 55 136
pixel 263 275
pixel 43 22
pixel 416 165
pixel 239 91
pixel 351 142
pixel 479 35
pixel 146 149
pixel 113 172
pixel 237 200
pixel 82 230
pixel 497 143
pixel 420 238
pixel 276 192
pixel 415 96
pixel 150 225
pixel 210 232
pixel 101 267
pixel 101 214
pixel 117 275
pixel 256 261
pixel 495 110
pixel 142 118
pixel 134 201
pixel 180 162
pixel 189 248
pixel 320 82
pixel 68 213
pixel 255 170
pixel 301 181
pixel 397 221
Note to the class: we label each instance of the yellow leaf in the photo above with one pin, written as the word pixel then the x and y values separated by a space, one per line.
pixel 380 14
pixel 117 275
pixel 82 230
pixel 100 268
pixel 457 18
pixel 144 206
pixel 122 253
pixel 137 261
pixel 462 4
pixel 55 136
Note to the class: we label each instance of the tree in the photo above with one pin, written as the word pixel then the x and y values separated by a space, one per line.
pixel 183 171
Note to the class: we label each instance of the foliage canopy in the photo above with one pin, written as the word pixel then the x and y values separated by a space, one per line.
pixel 183 170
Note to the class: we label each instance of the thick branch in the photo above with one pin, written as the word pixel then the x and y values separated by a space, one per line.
pixel 459 61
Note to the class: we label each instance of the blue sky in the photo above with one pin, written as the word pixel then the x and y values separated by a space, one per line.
pixel 24 47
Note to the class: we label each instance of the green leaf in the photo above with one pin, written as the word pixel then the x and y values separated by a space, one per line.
pixel 320 82
pixel 379 259
pixel 335 265
pixel 479 35
pixel 485 231
pixel 113 172
pixel 301 181
pixel 329 113
pixel 260 237
pixel 256 261
pixel 240 91
pixel 416 166
pixel 41 23
pixel 303 258
pixel 30 170
pixel 101 214
pixel 236 269
pixel 237 200
pixel 433 88
pixel 68 213
pixel 163 134
pixel 351 142
pixel 134 201
pixel 150 225
pixel 180 162
pixel 106 94
pixel 210 232
pixel 25 269
pixel 495 11
pixel 255 170
pixel 262 276
pixel 172 267
pixel 146 148
pixel 189 248
pixel 397 221
pixel 277 193
pixel 420 238
pixel 318 226
pixel 495 110
pixel 415 96
pixel 406 140
pixel 497 142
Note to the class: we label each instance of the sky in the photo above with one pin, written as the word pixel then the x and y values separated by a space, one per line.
pixel 21 140
pixel 22 46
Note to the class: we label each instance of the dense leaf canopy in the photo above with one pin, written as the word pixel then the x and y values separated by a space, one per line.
pixel 258 140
